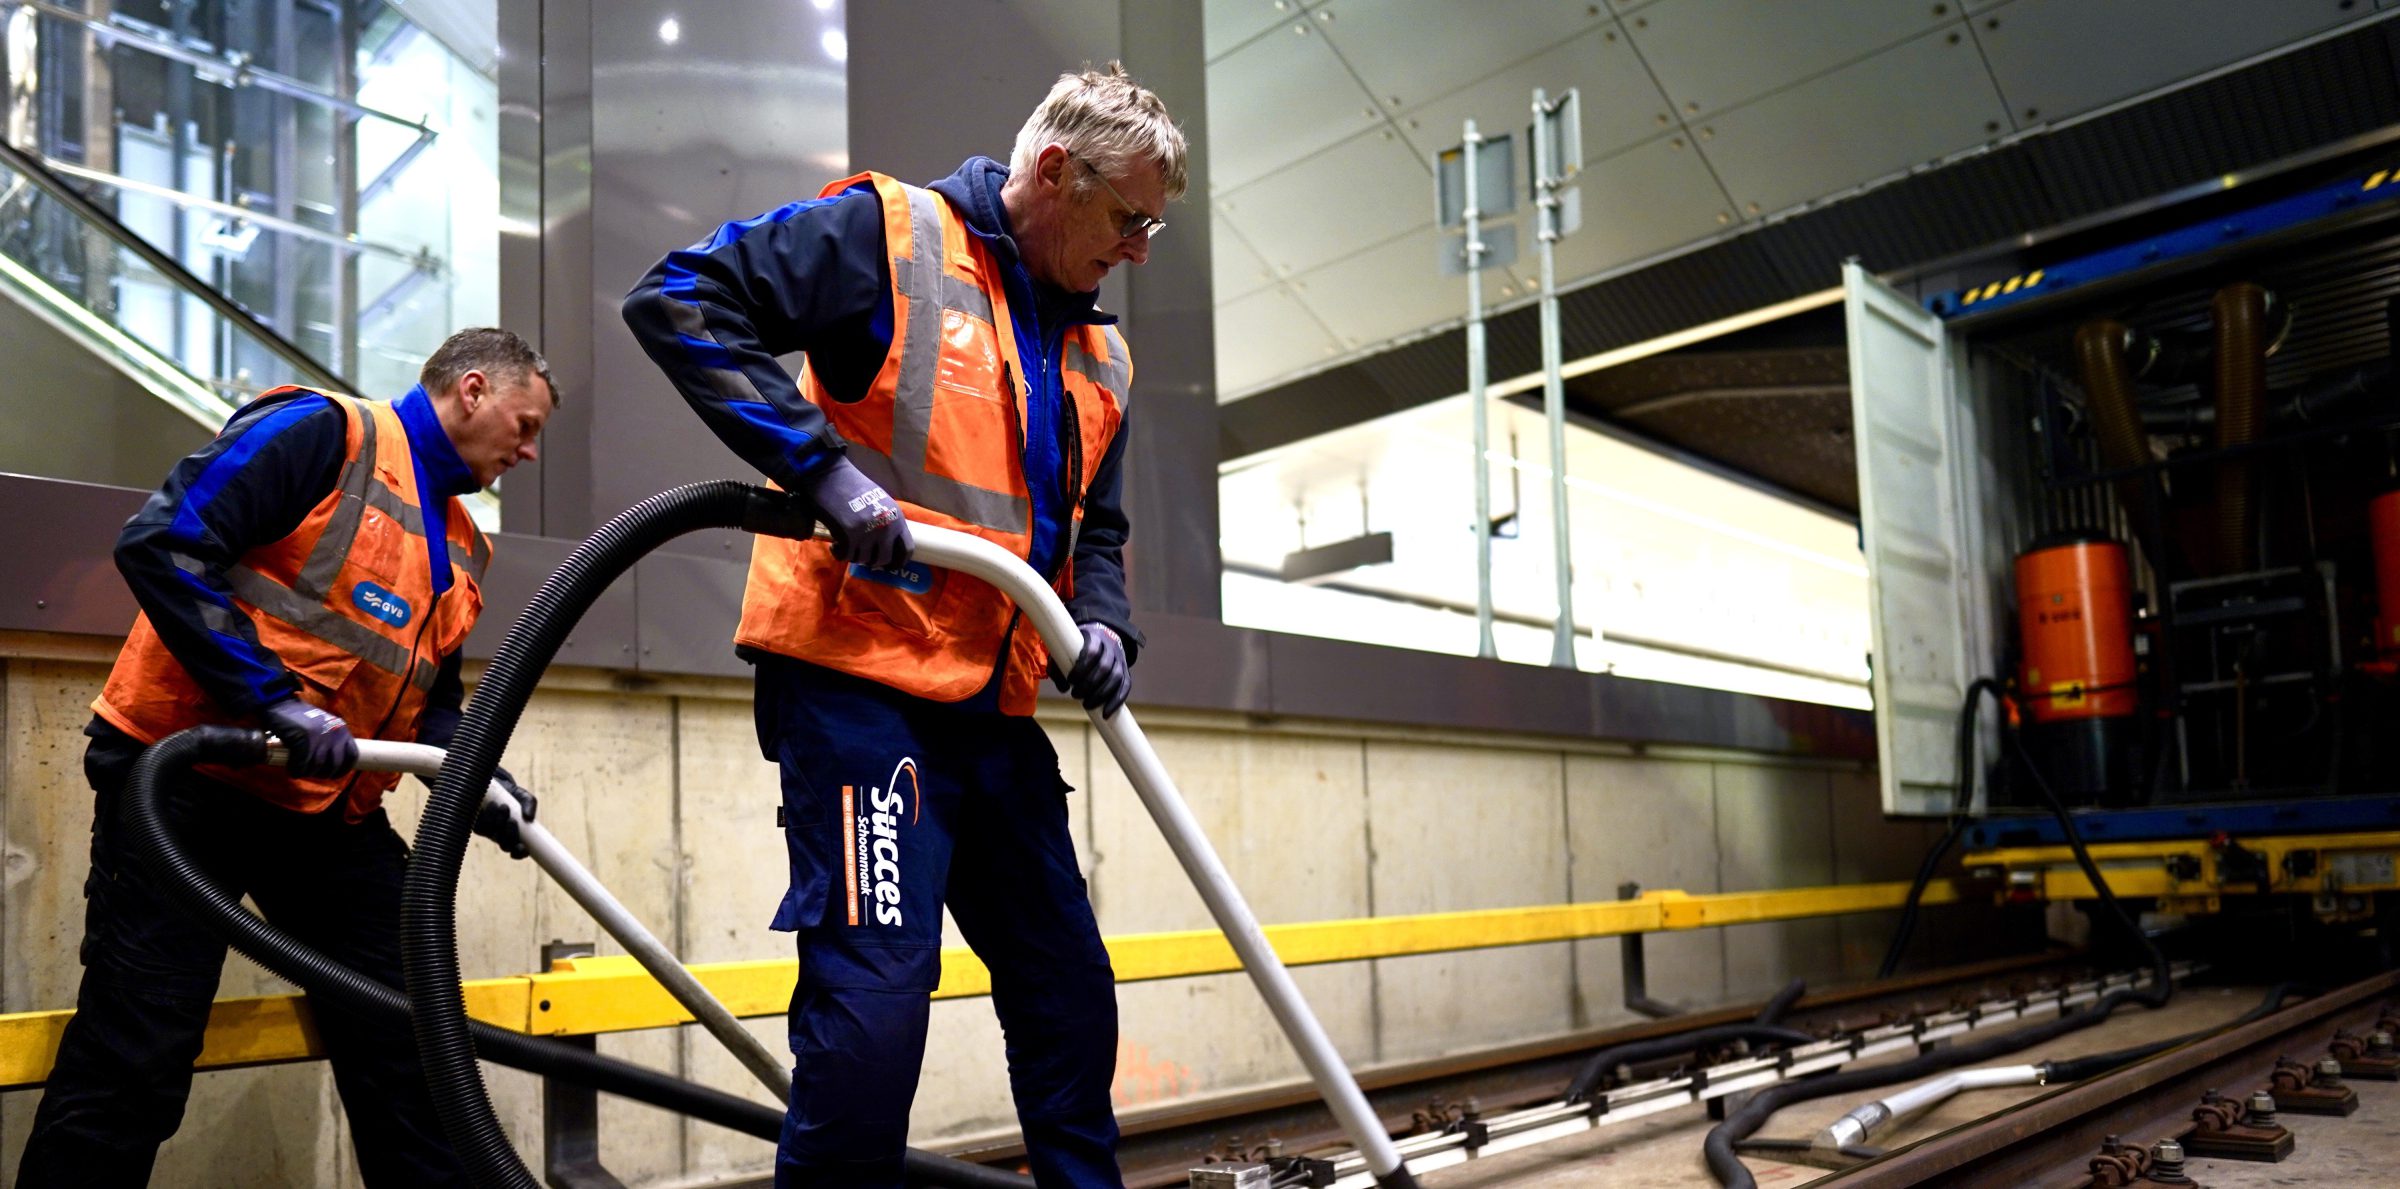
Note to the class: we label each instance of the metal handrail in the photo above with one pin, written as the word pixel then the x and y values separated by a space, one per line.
pixel 305 366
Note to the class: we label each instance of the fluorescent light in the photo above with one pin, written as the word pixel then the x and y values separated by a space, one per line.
pixel 837 46
pixel 670 30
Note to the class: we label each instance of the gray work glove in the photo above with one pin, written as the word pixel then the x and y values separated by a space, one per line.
pixel 868 527
pixel 493 822
pixel 318 740
pixel 1101 678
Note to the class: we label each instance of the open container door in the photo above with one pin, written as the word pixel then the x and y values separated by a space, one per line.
pixel 1928 599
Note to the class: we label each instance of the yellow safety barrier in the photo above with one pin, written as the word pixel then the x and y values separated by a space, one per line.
pixel 585 996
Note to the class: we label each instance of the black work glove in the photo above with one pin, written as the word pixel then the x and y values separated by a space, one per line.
pixel 493 822
pixel 318 740
pixel 1101 678
pixel 868 527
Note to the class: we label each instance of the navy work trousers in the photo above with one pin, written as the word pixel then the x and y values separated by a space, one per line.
pixel 895 806
pixel 150 970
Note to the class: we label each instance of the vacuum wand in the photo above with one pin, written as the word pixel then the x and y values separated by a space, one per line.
pixel 969 554
pixel 420 759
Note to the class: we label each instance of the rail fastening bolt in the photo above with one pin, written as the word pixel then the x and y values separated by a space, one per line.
pixel 2166 1160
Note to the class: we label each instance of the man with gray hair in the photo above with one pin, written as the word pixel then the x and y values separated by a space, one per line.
pixel 957 373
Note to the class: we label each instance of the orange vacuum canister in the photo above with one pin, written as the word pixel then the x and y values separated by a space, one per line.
pixel 2079 683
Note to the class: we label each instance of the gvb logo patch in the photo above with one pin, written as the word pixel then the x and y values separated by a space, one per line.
pixel 872 819
pixel 381 603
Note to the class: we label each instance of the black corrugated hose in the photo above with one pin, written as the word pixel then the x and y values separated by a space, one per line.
pixel 1721 1147
pixel 1726 1165
pixel 155 846
pixel 429 930
pixel 1961 804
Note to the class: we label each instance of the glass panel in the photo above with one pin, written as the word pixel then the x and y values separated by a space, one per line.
pixel 330 169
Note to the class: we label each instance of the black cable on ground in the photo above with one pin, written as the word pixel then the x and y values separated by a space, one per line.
pixel 1781 1005
pixel 2075 1069
pixel 1726 1165
pixel 156 847
pixel 1595 1070
pixel 1961 804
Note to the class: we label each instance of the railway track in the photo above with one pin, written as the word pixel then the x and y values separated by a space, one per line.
pixel 2100 1133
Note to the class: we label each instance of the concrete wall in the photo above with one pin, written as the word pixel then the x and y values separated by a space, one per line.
pixel 662 792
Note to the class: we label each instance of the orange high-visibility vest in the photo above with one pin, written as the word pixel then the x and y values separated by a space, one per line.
pixel 346 601
pixel 941 429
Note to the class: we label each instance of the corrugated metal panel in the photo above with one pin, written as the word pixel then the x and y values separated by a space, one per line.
pixel 2317 95
pixel 1938 213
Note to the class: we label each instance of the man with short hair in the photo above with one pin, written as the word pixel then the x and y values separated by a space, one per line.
pixel 959 374
pixel 312 572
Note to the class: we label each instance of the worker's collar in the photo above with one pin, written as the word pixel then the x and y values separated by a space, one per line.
pixel 440 471
pixel 975 190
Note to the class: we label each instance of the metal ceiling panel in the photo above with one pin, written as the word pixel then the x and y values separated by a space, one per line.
pixel 1275 101
pixel 1236 270
pixel 1227 24
pixel 1621 105
pixel 2055 58
pixel 1387 291
pixel 1330 204
pixel 1714 54
pixel 1270 334
pixel 1410 51
pixel 1915 102
pixel 1640 203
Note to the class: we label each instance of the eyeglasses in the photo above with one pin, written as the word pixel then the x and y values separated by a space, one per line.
pixel 1136 223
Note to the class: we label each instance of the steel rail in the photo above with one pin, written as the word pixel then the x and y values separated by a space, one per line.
pixel 2049 1141
pixel 1160 1143
pixel 1556 1120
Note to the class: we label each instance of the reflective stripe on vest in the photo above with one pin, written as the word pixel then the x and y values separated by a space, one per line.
pixel 345 600
pixel 931 289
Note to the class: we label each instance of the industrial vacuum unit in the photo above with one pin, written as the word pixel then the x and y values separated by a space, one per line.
pixel 2148 491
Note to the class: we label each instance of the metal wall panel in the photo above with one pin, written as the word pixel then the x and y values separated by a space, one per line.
pixel 1269 334
pixel 1235 269
pixel 518 72
pixel 1279 99
pixel 1711 55
pixel 687 606
pixel 1621 105
pixel 2057 58
pixel 569 322
pixel 1641 202
pixel 1837 129
pixel 668 166
pixel 58 537
pixel 1408 290
pixel 604 638
pixel 1346 198
pixel 1385 41
pixel 1170 323
pixel 1229 24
